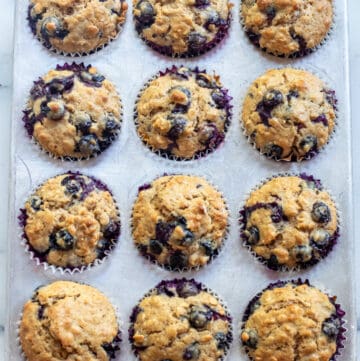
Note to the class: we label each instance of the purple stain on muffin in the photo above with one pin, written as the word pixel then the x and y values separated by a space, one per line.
pixel 112 348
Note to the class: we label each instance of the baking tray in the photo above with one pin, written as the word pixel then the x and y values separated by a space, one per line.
pixel 235 169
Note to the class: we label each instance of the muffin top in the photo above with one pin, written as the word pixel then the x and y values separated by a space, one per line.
pixel 76 26
pixel 183 113
pixel 69 321
pixel 179 222
pixel 183 28
pixel 73 112
pixel 290 221
pixel 291 321
pixel 71 220
pixel 180 320
pixel 287 27
pixel 289 114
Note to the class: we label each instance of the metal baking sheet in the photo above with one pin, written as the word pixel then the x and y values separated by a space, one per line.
pixel 235 169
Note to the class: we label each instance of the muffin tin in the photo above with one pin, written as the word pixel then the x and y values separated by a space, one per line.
pixel 235 168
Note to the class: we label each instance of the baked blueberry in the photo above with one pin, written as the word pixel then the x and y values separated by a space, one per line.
pixel 199 317
pixel 192 352
pixel 331 327
pixel 249 338
pixel 155 246
pixel 89 145
pixel 62 240
pixel 321 213
pixel 273 151
pixel 178 260
pixel 303 253
pixel 252 235
pixel 178 125
pixel 36 203
pixel 146 13
pixel 187 289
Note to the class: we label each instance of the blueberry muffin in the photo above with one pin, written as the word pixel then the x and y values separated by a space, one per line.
pixel 180 320
pixel 290 222
pixel 291 28
pixel 69 321
pixel 76 27
pixel 183 28
pixel 73 112
pixel 179 221
pixel 289 114
pixel 290 321
pixel 183 113
pixel 70 221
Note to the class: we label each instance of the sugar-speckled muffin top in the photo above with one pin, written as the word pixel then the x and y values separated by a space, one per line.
pixel 71 220
pixel 287 27
pixel 76 26
pixel 179 221
pixel 291 321
pixel 183 113
pixel 69 321
pixel 289 114
pixel 182 28
pixel 73 112
pixel 290 221
pixel 180 320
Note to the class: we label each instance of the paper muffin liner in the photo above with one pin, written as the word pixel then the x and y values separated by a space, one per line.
pixel 254 38
pixel 222 33
pixel 51 48
pixel 40 260
pixel 323 253
pixel 339 312
pixel 149 256
pixel 164 287
pixel 113 348
pixel 331 98
pixel 215 141
pixel 29 124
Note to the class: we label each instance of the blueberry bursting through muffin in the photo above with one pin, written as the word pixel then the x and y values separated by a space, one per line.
pixel 201 323
pixel 190 30
pixel 183 113
pixel 90 134
pixel 45 221
pixel 301 305
pixel 270 231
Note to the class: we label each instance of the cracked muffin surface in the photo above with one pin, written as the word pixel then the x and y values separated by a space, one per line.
pixel 287 27
pixel 182 28
pixel 289 322
pixel 76 26
pixel 73 112
pixel 179 221
pixel 183 113
pixel 71 220
pixel 290 221
pixel 180 320
pixel 69 321
pixel 289 114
